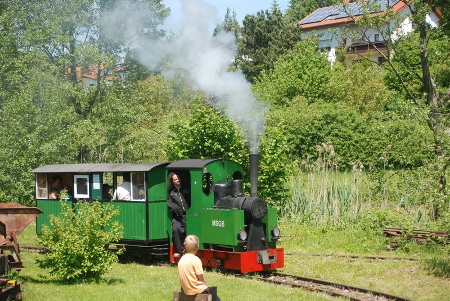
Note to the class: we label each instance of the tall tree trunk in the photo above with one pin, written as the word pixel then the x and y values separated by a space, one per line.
pixel 435 105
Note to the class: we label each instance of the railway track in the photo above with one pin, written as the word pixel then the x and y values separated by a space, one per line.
pixel 333 289
pixel 381 258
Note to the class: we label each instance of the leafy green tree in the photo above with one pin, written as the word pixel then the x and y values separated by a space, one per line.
pixel 357 140
pixel 229 24
pixel 72 34
pixel 421 70
pixel 36 129
pixel 360 85
pixel 76 241
pixel 274 163
pixel 12 64
pixel 205 133
pixel 305 72
pixel 265 37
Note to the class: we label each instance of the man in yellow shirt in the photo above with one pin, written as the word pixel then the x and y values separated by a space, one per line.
pixel 190 269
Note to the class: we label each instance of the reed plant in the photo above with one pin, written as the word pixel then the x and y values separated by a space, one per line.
pixel 321 194
pixel 324 193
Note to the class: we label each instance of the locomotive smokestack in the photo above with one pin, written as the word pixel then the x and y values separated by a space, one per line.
pixel 254 162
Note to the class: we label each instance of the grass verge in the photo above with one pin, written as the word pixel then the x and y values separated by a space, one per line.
pixel 316 253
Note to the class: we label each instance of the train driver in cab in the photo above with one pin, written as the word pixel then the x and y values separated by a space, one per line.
pixel 177 205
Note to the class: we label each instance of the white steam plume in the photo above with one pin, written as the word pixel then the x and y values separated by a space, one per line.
pixel 206 60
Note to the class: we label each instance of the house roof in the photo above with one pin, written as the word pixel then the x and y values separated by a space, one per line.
pixel 331 15
pixel 93 72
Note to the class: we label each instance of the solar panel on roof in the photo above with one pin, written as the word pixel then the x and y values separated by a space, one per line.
pixel 338 11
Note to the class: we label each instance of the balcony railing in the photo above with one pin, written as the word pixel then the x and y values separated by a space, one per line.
pixel 358 48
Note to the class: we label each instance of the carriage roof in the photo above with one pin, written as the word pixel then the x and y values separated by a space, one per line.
pixel 96 167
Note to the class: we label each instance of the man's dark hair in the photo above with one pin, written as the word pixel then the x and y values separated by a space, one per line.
pixel 126 177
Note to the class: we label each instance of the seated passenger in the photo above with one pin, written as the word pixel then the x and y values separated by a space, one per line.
pixel 53 195
pixel 106 195
pixel 55 184
pixel 123 191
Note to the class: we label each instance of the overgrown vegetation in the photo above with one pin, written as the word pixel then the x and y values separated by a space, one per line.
pixel 76 241
pixel 342 145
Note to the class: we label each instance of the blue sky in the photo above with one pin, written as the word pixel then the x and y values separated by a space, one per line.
pixel 241 7
pixel 245 7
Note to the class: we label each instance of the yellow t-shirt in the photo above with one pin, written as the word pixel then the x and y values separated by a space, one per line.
pixel 189 267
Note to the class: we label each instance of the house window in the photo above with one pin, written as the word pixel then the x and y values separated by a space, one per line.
pixel 377 37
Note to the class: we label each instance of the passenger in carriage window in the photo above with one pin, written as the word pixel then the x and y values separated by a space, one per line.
pixel 55 184
pixel 126 191
pixel 106 195
pixel 178 206
pixel 53 195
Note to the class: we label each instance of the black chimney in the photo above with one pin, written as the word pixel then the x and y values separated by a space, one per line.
pixel 254 162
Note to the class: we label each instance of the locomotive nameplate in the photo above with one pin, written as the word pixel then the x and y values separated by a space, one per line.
pixel 216 223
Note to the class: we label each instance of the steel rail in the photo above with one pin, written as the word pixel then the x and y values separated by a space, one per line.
pixel 333 289
pixel 382 258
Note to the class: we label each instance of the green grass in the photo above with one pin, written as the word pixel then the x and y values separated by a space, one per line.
pixel 134 281
pixel 306 248
pixel 425 278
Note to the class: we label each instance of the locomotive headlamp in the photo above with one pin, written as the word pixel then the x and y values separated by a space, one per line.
pixel 242 235
pixel 275 233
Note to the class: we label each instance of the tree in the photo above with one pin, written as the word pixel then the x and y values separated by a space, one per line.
pixel 265 37
pixel 304 72
pixel 205 133
pixel 419 75
pixel 230 24
pixel 36 128
pixel 73 34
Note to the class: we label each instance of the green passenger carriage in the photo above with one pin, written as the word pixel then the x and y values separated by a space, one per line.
pixel 236 232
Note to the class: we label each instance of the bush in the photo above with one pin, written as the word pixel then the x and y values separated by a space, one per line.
pixel 76 241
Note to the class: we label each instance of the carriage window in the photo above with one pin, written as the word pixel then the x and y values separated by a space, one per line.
pixel 81 186
pixel 130 186
pixel 41 186
pixel 138 180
